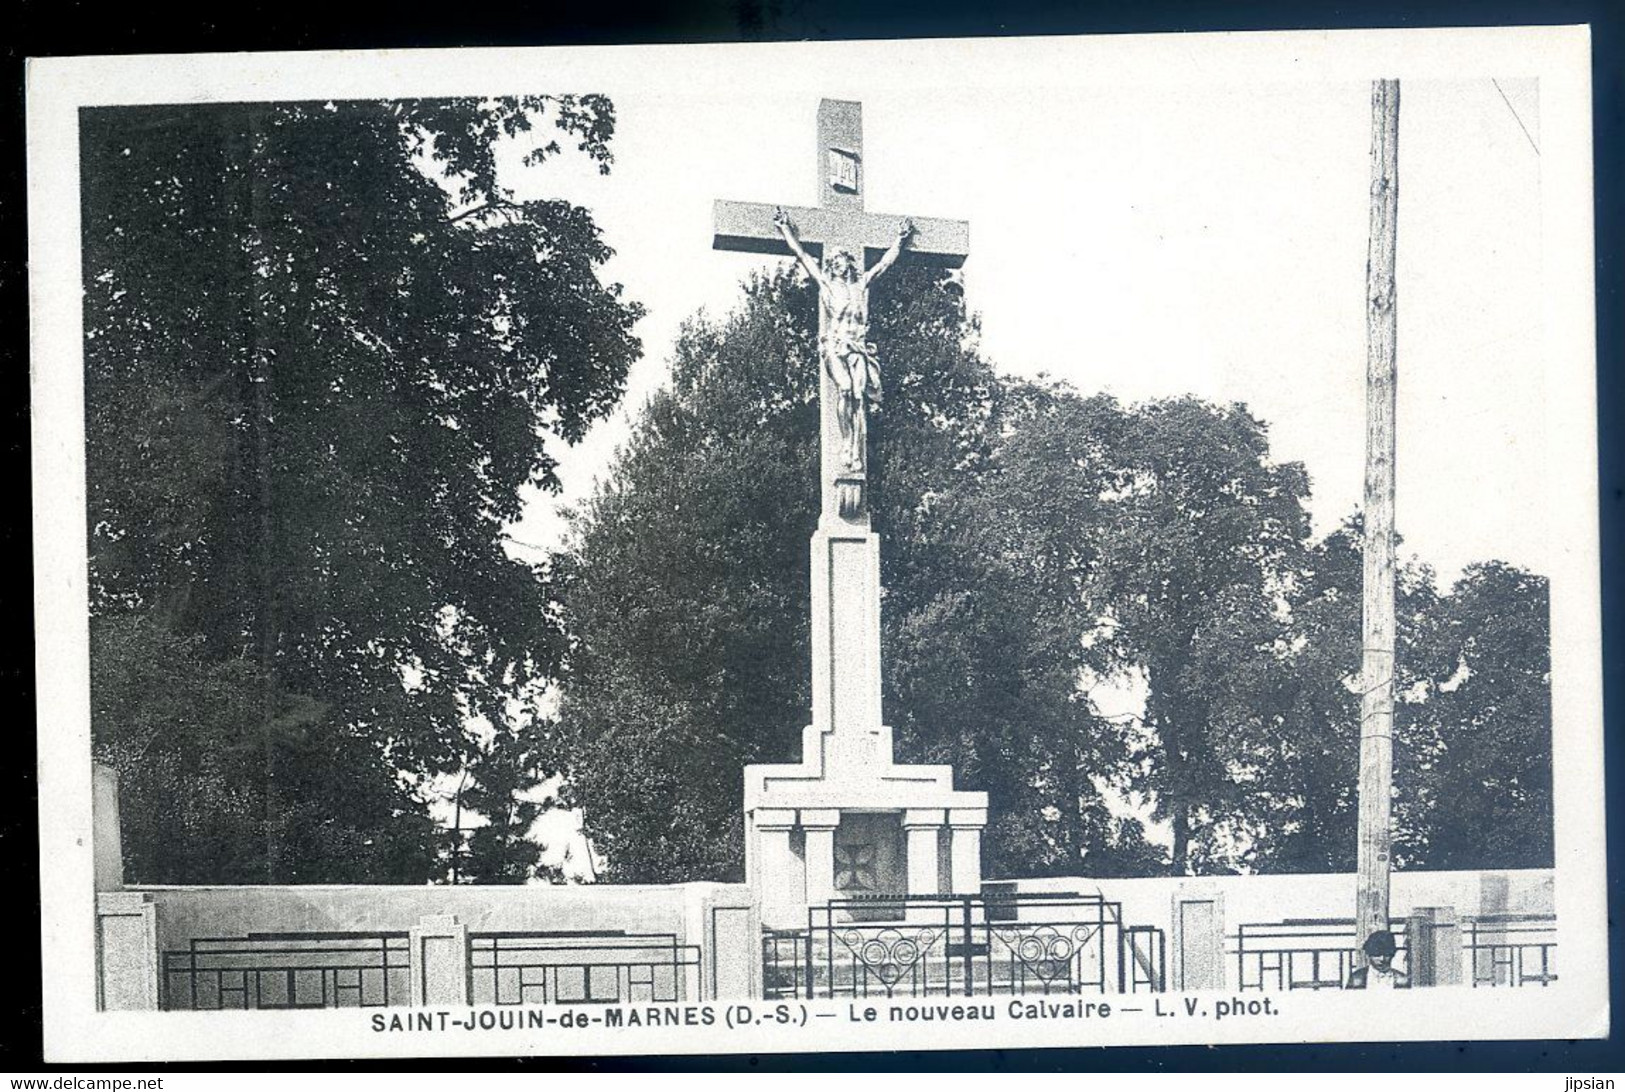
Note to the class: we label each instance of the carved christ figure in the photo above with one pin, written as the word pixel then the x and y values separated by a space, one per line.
pixel 848 355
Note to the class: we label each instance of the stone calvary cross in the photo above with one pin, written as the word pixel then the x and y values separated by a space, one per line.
pixel 907 826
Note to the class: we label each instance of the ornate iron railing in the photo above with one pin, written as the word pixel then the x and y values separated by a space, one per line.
pixel 524 968
pixel 913 946
pixel 288 971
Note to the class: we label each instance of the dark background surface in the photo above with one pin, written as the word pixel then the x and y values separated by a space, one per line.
pixel 66 27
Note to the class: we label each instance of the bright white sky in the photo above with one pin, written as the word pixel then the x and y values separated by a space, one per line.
pixel 1149 240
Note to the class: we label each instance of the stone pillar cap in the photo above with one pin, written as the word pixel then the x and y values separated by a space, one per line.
pixel 820 818
pixel 430 922
pixel 774 818
pixel 924 817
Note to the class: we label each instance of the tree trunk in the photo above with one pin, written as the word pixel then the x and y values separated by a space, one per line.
pixel 1175 757
pixel 1182 839
pixel 251 209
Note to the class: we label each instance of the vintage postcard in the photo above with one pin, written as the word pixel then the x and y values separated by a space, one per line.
pixel 803 547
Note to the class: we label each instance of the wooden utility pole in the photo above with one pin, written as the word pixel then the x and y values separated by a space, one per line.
pixel 1377 659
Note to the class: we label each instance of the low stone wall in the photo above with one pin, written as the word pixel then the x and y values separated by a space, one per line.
pixel 1150 900
pixel 224 911
pixel 719 919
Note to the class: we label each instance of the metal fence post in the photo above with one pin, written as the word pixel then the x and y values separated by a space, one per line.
pixel 809 993
pixel 965 951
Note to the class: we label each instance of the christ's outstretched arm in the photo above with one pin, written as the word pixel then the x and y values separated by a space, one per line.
pixel 889 259
pixel 781 220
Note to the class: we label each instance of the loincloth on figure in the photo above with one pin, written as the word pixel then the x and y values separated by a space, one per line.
pixel 855 367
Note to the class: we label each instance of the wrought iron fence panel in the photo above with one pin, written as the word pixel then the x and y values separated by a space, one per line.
pixel 1046 957
pixel 1512 949
pixel 1300 953
pixel 1147 949
pixel 912 956
pixel 526 968
pixel 288 971
pixel 783 972
pixel 915 946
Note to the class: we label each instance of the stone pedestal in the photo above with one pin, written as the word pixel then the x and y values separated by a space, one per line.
pixel 827 827
pixel 835 824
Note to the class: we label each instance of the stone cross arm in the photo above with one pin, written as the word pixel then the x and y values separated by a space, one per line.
pixel 748 226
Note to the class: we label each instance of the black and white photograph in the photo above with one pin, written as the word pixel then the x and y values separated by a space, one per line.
pixel 817 546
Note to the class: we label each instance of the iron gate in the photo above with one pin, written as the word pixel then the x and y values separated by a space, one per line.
pixel 965 945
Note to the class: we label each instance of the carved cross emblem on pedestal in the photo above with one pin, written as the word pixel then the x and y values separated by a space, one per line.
pixel 855 866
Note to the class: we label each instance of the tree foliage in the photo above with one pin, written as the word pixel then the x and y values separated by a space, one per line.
pixel 324 352
pixel 993 646
pixel 1473 722
pixel 1302 811
pixel 1040 545
pixel 1201 542
pixel 1476 787
pixel 500 783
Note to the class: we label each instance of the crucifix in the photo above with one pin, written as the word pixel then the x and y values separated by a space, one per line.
pixel 846 237
pixel 905 825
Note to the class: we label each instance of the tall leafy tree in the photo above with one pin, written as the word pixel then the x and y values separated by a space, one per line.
pixel 1038 543
pixel 1475 772
pixel 1002 648
pixel 680 585
pixel 1203 544
pixel 324 351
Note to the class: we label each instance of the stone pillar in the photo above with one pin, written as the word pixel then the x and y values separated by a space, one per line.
pixel 1433 944
pixel 818 825
pixel 439 948
pixel 775 872
pixel 1196 940
pixel 966 853
pixel 846 645
pixel 722 919
pixel 107 841
pixel 922 828
pixel 1494 896
pixel 126 951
